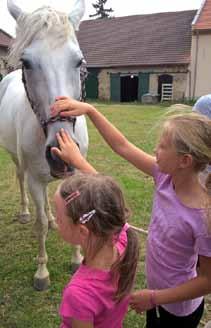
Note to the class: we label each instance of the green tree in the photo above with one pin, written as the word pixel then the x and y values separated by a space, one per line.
pixel 101 12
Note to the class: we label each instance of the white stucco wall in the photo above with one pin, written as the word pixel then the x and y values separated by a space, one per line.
pixel 200 68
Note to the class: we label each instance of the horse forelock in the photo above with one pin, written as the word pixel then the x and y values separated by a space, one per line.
pixel 43 23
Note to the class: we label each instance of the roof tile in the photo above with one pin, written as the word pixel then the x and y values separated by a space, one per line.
pixel 5 39
pixel 139 40
pixel 204 19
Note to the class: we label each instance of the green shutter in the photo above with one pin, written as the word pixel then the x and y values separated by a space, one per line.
pixel 92 85
pixel 143 84
pixel 115 87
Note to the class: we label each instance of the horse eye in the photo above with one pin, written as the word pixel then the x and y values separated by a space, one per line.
pixel 26 63
pixel 81 61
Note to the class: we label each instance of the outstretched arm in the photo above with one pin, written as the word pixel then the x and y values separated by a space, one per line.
pixel 117 141
pixel 201 285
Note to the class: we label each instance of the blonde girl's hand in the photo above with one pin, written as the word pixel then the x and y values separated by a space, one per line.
pixel 65 106
pixel 68 151
pixel 142 300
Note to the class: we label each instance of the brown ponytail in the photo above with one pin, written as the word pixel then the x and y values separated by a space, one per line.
pixel 126 266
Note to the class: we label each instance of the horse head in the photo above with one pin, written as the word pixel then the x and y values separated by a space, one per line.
pixel 47 49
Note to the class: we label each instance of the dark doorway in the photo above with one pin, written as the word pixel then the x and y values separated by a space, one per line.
pixel 92 84
pixel 129 88
pixel 165 78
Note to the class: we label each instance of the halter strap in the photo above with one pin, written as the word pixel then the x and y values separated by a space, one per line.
pixel 83 76
pixel 45 122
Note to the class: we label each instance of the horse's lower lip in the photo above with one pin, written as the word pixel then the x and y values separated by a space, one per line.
pixel 57 175
pixel 61 175
pixel 54 174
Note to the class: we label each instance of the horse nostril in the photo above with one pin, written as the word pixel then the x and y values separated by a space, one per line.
pixel 49 154
pixel 54 157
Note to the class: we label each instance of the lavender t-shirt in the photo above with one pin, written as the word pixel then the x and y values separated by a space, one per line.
pixel 177 235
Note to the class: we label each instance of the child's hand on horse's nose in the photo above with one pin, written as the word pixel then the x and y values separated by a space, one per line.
pixel 61 104
pixel 54 110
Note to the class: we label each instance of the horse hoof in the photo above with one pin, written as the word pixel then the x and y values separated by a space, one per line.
pixel 41 284
pixel 52 225
pixel 24 218
pixel 74 267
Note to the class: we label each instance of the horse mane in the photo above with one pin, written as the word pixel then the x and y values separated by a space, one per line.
pixel 42 23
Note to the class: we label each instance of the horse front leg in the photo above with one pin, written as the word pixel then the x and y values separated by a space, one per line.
pixel 24 216
pixel 38 192
pixel 51 219
pixel 76 258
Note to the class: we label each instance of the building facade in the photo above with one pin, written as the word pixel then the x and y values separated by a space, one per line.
pixel 200 66
pixel 131 56
pixel 5 41
pixel 166 55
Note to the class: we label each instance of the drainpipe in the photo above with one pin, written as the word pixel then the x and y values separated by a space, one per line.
pixel 196 64
pixel 190 77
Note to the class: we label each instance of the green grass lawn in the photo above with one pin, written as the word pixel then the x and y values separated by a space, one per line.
pixel 20 305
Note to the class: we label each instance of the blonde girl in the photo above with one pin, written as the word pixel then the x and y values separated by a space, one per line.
pixel 179 231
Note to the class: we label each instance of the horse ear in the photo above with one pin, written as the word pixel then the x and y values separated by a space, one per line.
pixel 77 13
pixel 14 10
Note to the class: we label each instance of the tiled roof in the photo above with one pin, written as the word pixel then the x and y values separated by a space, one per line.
pixel 5 39
pixel 139 40
pixel 203 20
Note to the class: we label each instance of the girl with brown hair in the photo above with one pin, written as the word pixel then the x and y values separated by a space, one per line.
pixel 91 212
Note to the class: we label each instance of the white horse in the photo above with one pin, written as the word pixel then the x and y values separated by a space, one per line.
pixel 48 50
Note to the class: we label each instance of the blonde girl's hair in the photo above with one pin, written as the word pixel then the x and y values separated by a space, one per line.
pixel 191 134
pixel 103 195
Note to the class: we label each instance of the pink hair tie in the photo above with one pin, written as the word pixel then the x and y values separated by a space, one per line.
pixel 72 196
pixel 121 242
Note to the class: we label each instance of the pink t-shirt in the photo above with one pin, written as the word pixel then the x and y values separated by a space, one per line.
pixel 177 235
pixel 88 297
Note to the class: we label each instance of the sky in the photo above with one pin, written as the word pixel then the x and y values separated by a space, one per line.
pixel 120 7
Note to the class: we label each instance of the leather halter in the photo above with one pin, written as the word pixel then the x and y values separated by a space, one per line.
pixel 44 122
